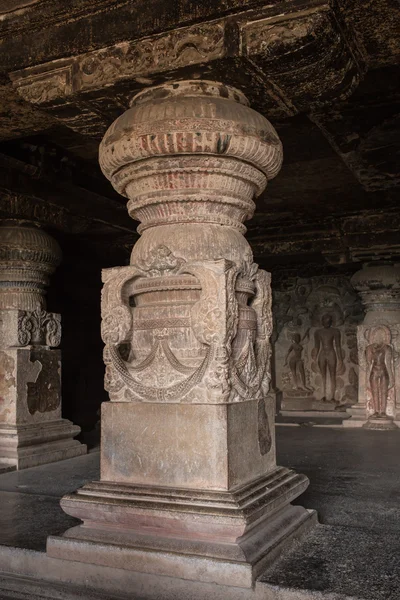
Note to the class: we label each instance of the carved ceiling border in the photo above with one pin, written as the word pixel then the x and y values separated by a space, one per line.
pixel 255 49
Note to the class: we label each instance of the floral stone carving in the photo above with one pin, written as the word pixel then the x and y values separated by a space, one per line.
pixel 39 327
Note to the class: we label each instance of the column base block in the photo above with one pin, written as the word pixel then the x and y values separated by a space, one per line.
pixel 220 537
pixel 359 419
pixel 25 446
pixel 380 424
pixel 358 416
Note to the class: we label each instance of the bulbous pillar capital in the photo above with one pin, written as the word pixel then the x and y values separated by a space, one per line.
pixel 190 152
pixel 379 286
pixel 28 256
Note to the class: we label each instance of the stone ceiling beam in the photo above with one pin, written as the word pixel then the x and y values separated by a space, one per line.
pixel 287 62
pixel 338 240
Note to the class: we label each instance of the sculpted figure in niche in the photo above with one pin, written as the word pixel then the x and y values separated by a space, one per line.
pixel 379 356
pixel 328 354
pixel 296 364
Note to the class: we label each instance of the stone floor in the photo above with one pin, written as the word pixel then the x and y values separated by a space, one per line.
pixel 355 487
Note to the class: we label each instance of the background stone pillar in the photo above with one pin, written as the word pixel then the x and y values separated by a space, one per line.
pixel 378 339
pixel 32 431
pixel 189 484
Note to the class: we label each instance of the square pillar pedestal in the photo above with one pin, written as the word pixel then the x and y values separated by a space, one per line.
pixel 32 431
pixel 186 492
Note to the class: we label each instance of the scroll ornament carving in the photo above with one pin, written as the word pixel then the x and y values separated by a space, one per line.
pixel 46 88
pixel 215 375
pixel 189 45
pixel 39 328
pixel 251 373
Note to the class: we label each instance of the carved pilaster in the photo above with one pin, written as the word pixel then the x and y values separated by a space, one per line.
pixel 187 329
pixel 378 347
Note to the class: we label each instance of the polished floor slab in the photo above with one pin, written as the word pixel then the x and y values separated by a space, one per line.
pixel 354 474
pixel 30 500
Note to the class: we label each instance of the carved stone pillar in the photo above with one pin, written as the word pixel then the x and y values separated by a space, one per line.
pixel 32 431
pixel 378 340
pixel 189 484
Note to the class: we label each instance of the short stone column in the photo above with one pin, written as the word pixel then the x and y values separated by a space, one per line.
pixel 32 431
pixel 189 484
pixel 378 339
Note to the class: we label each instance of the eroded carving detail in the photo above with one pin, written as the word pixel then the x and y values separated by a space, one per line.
pixel 44 390
pixel 45 88
pixel 188 45
pixel 39 328
pixel 214 370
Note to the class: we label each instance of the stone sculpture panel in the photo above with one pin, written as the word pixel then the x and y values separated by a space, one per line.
pixel 315 363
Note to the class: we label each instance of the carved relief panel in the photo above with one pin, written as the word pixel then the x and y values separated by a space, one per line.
pixel 30 366
pixel 379 355
pixel 180 331
pixel 316 341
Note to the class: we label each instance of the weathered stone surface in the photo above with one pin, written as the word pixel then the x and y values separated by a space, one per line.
pixel 32 431
pixel 186 329
pixel 266 48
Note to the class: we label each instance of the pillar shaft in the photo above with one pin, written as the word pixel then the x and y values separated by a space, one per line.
pixel 188 437
pixel 32 431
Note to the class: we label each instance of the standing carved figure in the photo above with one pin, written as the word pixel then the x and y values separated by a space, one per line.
pixel 296 363
pixel 328 354
pixel 380 375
